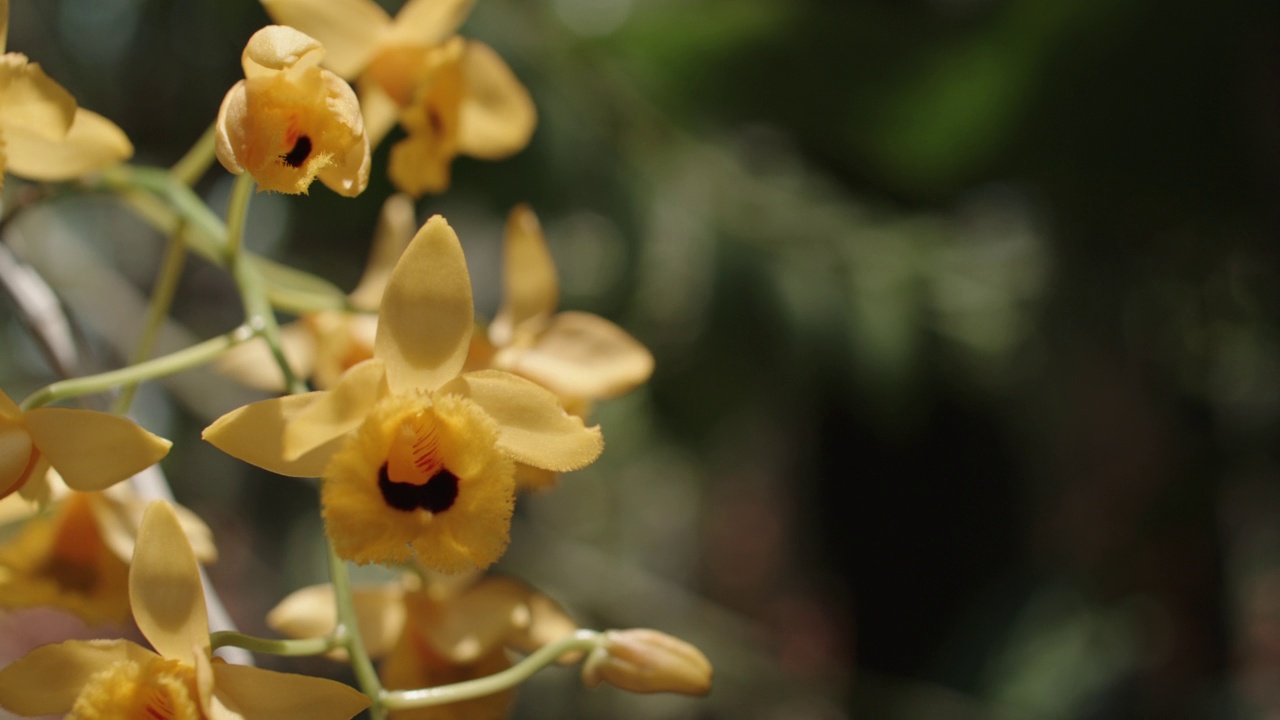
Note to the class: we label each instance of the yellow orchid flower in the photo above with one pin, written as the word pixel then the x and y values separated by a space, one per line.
pixel 452 96
pixel 323 345
pixel 91 450
pixel 77 557
pixel 648 661
pixel 44 135
pixel 417 457
pixel 289 121
pixel 118 678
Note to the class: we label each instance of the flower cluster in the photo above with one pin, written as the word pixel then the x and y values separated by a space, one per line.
pixel 420 423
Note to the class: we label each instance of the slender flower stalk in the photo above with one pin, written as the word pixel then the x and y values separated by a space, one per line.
pixel 161 299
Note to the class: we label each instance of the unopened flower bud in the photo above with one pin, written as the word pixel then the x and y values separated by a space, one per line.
pixel 648 661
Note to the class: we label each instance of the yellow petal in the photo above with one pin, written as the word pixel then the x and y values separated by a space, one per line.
pixel 425 323
pixel 648 661
pixel 428 22
pixel 165 589
pixel 348 174
pixel 93 450
pixel 118 511
pixel 533 427
pixel 253 364
pixel 530 289
pixel 9 408
pixel 581 355
pixel 230 127
pixel 255 434
pixel 419 165
pixel 311 612
pixel 92 143
pixel 483 618
pixel 336 412
pixel 30 99
pixel 395 228
pixel 48 679
pixel 257 693
pixel 381 113
pixel 279 47
pixel 4 24
pixel 497 116
pixel 15 455
pixel 348 29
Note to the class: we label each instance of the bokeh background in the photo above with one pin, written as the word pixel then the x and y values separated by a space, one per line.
pixel 965 315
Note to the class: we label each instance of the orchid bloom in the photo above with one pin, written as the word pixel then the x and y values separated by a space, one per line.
pixel 118 678
pixel 91 450
pixel 452 96
pixel 323 345
pixel 289 121
pixel 417 456
pixel 77 557
pixel 445 630
pixel 43 134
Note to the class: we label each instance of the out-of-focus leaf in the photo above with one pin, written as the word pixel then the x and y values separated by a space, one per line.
pixel 297 291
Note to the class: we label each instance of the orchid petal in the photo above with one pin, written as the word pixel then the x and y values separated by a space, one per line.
pixel 480 620
pixel 253 364
pixel 4 24
pixel 533 427
pixel 165 589
pixel 258 694
pixel 348 29
pixel 395 229
pixel 311 612
pixel 32 100
pixel 15 455
pixel 230 126
pixel 92 143
pixel 118 511
pixel 428 22
pixel 380 111
pixel 497 116
pixel 279 47
pixel 336 412
pixel 530 289
pixel 582 355
pixel 255 434
pixel 426 319
pixel 92 450
pixel 347 175
pixel 48 679
pixel 9 408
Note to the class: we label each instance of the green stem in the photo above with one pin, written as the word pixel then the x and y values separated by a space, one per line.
pixel 163 366
pixel 509 678
pixel 287 648
pixel 192 166
pixel 161 299
pixel 347 626
pixel 237 212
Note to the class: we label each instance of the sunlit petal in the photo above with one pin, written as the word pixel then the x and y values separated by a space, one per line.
pixel 480 620
pixel 336 412
pixel 311 612
pixel 48 679
pixel 348 175
pixel 497 116
pixel 532 425
pixel 348 29
pixel 165 589
pixel 255 433
pixel 425 323
pixel 31 100
pixel 15 455
pixel 279 47
pixel 257 693
pixel 428 22
pixel 582 355
pixel 93 450
pixel 396 224
pixel 92 143
pixel 229 128
pixel 530 288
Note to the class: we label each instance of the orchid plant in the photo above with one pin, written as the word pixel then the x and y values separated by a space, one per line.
pixel 421 424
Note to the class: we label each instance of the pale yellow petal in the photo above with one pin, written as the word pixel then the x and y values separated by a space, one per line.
pixel 497 116
pixel 420 165
pixel 15 455
pixel 92 143
pixel 381 113
pixel 428 22
pixel 347 175
pixel 336 412
pixel 483 618
pixel 530 288
pixel 9 408
pixel 311 612
pixel 395 229
pixel 533 427
pixel 425 323
pixel 581 355
pixel 30 99
pixel 4 24
pixel 259 694
pixel 230 126
pixel 93 450
pixel 118 511
pixel 48 680
pixel 253 364
pixel 275 48
pixel 165 589
pixel 254 433
pixel 348 29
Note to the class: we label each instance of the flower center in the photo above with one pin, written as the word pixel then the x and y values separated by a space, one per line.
pixel 414 475
pixel 298 155
pixel 154 689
